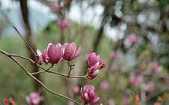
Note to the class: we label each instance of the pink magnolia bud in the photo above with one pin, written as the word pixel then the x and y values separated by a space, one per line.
pixel 88 95
pixel 42 56
pixel 95 63
pixel 40 59
pixel 45 56
pixel 71 51
pixel 95 60
pixel 54 52
pixel 34 98
pixel 92 73
pixel 136 79
pixel 63 24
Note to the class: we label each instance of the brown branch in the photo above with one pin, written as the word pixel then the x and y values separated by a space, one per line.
pixel 43 69
pixel 29 38
pixel 33 77
pixel 60 74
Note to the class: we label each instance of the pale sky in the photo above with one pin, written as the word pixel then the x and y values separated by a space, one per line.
pixel 83 15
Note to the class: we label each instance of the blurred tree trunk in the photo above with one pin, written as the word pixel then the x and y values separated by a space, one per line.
pixel 99 36
pixel 107 13
pixel 29 38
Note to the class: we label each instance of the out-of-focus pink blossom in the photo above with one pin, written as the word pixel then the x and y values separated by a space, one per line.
pixel 63 24
pixel 131 40
pixel 34 98
pixel 95 63
pixel 149 87
pixel 12 101
pixel 126 99
pixel 54 52
pixel 55 7
pixel 6 101
pixel 104 85
pixel 9 101
pixel 136 79
pixel 88 95
pixel 76 89
pixel 71 51
pixel 155 67
pixel 115 55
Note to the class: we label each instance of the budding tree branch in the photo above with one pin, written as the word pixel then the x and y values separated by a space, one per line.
pixel 33 77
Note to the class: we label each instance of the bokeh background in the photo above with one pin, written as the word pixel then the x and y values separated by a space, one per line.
pixel 132 36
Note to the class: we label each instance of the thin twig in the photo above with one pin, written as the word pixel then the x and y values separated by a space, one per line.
pixel 19 33
pixel 70 69
pixel 43 69
pixel 60 74
pixel 25 58
pixel 30 75
pixel 25 41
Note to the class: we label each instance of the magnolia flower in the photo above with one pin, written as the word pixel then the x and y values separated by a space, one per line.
pixel 54 53
pixel 88 95
pixel 34 98
pixel 95 63
pixel 45 57
pixel 71 51
pixel 42 56
pixel 63 24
